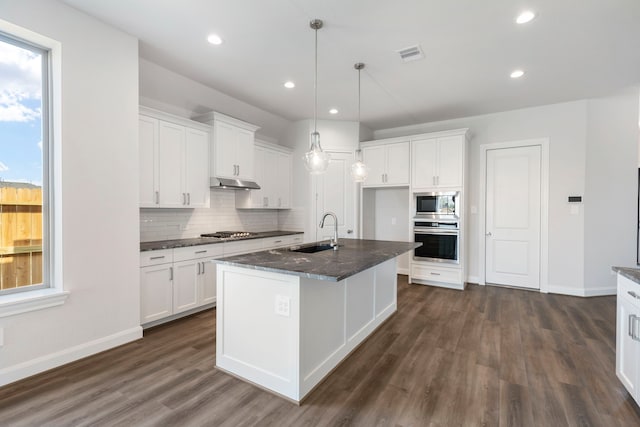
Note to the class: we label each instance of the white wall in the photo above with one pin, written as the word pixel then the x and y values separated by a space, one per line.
pixel 173 93
pixel 386 217
pixel 100 197
pixel 611 188
pixel 575 130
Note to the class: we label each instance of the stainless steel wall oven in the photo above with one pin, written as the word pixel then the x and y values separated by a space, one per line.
pixel 440 241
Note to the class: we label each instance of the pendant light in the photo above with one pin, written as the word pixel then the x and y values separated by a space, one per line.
pixel 359 170
pixel 316 160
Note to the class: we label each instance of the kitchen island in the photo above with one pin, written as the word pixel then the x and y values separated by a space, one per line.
pixel 286 319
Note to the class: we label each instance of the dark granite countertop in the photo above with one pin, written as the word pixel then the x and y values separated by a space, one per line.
pixel 629 273
pixel 352 257
pixel 195 241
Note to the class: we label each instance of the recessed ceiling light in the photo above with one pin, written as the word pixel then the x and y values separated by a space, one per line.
pixel 289 85
pixel 333 111
pixel 517 74
pixel 525 17
pixel 214 39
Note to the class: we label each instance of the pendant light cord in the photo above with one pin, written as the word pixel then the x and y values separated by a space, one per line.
pixel 315 89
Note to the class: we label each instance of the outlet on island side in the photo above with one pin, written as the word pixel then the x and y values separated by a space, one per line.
pixel 283 305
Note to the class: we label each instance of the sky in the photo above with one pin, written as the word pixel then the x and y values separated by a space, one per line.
pixel 20 114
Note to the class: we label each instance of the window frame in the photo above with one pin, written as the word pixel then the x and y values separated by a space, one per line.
pixel 50 293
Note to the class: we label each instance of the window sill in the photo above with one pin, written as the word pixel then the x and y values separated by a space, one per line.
pixel 24 302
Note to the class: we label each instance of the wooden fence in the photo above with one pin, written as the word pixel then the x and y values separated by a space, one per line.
pixel 20 235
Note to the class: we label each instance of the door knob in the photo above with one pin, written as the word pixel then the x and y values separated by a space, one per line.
pixel 349 231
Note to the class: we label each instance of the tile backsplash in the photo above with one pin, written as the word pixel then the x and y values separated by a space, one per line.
pixel 165 224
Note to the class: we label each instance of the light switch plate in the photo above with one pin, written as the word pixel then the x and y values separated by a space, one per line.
pixel 283 305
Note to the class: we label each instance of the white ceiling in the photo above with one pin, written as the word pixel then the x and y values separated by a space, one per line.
pixel 574 49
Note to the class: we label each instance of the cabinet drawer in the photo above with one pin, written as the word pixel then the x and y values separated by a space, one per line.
pixel 242 247
pixel 629 290
pixel 280 241
pixel 156 257
pixel 436 274
pixel 200 251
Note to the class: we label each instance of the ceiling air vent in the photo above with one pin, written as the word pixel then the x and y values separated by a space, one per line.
pixel 411 53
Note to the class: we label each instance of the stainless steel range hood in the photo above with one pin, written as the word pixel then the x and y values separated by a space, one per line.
pixel 233 184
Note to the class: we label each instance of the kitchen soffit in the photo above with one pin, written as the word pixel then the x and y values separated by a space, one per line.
pixel 570 51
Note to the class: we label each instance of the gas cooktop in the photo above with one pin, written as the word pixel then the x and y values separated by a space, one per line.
pixel 229 234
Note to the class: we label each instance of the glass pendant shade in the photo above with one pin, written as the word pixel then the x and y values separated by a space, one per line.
pixel 316 160
pixel 359 171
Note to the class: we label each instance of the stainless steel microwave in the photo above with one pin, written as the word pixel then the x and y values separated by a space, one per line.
pixel 438 205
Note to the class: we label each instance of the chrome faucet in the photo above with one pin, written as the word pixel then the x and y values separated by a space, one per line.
pixel 333 242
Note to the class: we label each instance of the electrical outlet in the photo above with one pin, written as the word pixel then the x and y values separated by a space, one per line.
pixel 283 305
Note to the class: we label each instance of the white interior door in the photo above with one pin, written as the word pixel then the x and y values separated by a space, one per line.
pixel 335 192
pixel 513 209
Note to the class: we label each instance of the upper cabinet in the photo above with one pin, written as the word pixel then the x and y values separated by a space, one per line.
pixel 388 164
pixel 438 162
pixel 273 174
pixel 173 155
pixel 232 153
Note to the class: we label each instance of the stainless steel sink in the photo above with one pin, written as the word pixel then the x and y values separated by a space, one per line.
pixel 311 248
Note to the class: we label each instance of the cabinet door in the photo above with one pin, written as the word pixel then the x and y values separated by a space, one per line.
pixel 197 168
pixel 148 158
pixel 374 158
pixel 269 178
pixel 185 285
pixel 207 282
pixel 423 163
pixel 156 297
pixel 450 161
pixel 244 141
pixel 224 150
pixel 627 349
pixel 398 164
pixel 258 197
pixel 171 165
pixel 283 181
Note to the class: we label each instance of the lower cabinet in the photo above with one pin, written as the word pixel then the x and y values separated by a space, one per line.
pixel 182 280
pixel 437 275
pixel 628 336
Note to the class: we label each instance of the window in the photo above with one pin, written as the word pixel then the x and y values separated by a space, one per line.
pixel 24 167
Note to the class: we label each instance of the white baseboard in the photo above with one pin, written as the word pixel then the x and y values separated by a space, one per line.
pixel 53 360
pixel 581 292
pixel 404 271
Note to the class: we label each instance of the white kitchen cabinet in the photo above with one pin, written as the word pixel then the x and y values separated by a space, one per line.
pixel 273 174
pixel 232 154
pixel 388 164
pixel 183 280
pixel 156 294
pixel 628 336
pixel 437 163
pixel 174 168
pixel 148 160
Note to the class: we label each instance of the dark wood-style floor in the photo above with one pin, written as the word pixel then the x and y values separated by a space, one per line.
pixel 483 357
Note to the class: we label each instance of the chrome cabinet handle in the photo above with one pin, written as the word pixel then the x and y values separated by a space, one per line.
pixel 171 273
pixel 201 252
pixel 630 326
pixel 434 274
pixel 238 170
pixel 633 294
pixel 188 198
pixel 184 198
pixel 156 257
pixel 278 241
pixel 349 231
pixel 488 234
pixel 157 197
pixel 203 267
